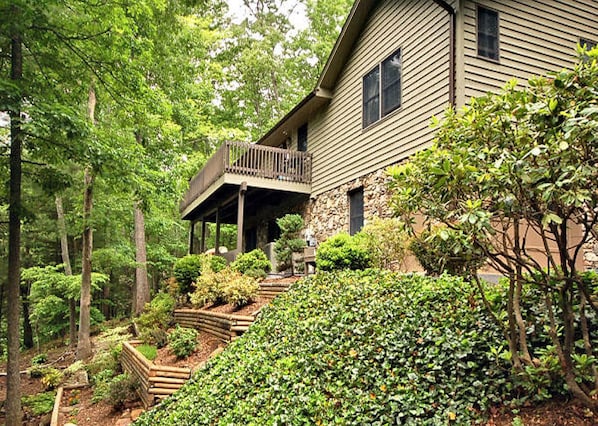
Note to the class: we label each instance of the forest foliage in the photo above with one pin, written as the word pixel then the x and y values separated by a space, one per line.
pixel 172 80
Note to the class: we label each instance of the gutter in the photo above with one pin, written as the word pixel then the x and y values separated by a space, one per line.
pixel 452 39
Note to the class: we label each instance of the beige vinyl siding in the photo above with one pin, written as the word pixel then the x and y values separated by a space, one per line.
pixel 535 37
pixel 342 150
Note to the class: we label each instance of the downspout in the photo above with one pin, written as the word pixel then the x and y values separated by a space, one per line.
pixel 452 39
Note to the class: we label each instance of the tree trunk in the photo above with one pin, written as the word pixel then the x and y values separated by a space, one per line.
pixel 142 294
pixel 13 385
pixel 83 340
pixel 66 261
pixel 27 329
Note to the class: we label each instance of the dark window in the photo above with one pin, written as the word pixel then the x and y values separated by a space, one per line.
pixel 302 138
pixel 371 97
pixel 355 211
pixel 487 33
pixel 382 89
pixel 391 83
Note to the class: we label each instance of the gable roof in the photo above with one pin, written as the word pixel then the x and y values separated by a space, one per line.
pixel 322 93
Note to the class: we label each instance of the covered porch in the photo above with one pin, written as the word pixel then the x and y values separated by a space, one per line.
pixel 241 184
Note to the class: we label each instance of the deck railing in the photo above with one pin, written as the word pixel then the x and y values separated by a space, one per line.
pixel 250 160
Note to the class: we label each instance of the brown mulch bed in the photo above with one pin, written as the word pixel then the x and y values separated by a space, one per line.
pixel 552 413
pixel 207 344
pixel 250 309
pixel 82 412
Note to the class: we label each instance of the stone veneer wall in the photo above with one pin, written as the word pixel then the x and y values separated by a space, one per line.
pixel 590 255
pixel 327 214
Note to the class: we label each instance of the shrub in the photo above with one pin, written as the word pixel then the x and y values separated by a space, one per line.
pixel 109 344
pixel 104 360
pixel 37 371
pixel 183 341
pixel 41 403
pixel 188 268
pixel 386 241
pixel 342 252
pixel 101 385
pixel 157 337
pixel 208 289
pixel 39 359
pixel 156 315
pixel 226 286
pixel 289 242
pixel 122 388
pixel 353 348
pixel 254 263
pixel 441 249
pixel 148 351
pixel 51 378
pixel 217 263
pixel 238 289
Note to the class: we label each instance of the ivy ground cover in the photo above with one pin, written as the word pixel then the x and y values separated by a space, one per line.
pixel 361 347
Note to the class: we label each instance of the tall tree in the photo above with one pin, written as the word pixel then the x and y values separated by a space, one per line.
pixel 66 261
pixel 13 399
pixel 84 350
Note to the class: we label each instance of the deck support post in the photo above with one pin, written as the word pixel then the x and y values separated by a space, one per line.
pixel 240 216
pixel 217 244
pixel 191 236
pixel 202 244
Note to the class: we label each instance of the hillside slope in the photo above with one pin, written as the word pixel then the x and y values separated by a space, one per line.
pixel 352 348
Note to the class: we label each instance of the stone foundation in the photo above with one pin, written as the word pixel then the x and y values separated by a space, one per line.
pixel 327 214
pixel 590 255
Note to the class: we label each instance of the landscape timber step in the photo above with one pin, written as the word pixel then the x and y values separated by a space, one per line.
pixel 271 289
pixel 156 381
pixel 224 326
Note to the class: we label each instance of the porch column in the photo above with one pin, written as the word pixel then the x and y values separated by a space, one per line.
pixel 240 214
pixel 202 244
pixel 191 237
pixel 217 247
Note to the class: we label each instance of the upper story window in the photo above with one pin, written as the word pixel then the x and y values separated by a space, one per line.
pixel 487 23
pixel 382 89
pixel 302 138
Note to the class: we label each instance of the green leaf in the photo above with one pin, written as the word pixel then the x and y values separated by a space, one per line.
pixel 551 218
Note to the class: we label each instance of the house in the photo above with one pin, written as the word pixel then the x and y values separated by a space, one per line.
pixel 395 65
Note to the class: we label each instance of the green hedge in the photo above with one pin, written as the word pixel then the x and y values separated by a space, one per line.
pixel 342 251
pixel 365 347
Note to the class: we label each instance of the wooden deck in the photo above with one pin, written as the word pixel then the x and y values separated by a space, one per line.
pixel 250 160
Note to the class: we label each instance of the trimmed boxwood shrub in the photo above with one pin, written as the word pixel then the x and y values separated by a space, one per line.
pixel 254 263
pixel 353 348
pixel 342 252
